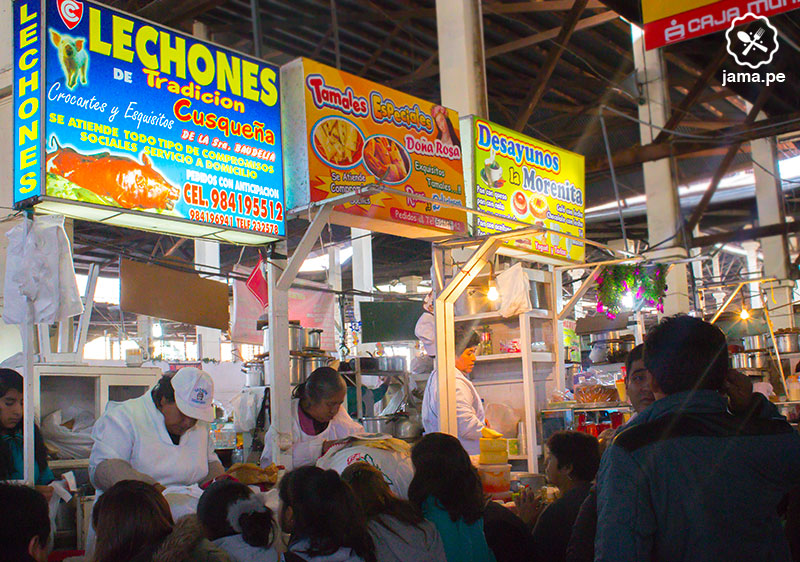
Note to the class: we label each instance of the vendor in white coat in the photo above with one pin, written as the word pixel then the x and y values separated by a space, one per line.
pixel 318 416
pixel 161 437
pixel 469 409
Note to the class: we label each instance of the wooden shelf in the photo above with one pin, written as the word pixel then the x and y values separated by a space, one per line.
pixel 517 457
pixel 495 315
pixel 498 357
pixel 68 464
pixel 596 407
pixel 487 382
pixel 542 357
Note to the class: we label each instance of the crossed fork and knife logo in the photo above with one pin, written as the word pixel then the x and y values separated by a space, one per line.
pixel 751 42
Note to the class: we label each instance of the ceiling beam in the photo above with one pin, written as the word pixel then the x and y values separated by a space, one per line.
pixel 428 69
pixel 785 228
pixel 542 36
pixel 722 169
pixel 692 96
pixel 546 71
pixel 545 6
pixel 724 137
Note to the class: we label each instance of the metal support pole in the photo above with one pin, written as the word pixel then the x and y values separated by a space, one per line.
pixel 445 322
pixel 255 14
pixel 728 301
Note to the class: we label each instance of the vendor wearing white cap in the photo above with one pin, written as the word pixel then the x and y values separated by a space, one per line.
pixel 161 437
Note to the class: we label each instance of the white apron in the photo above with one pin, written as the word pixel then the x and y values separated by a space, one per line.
pixel 306 449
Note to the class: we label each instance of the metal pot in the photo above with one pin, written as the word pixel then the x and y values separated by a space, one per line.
pixel 758 360
pixel 254 376
pixel 312 338
pixel 407 426
pixel 739 360
pixel 787 342
pixel 297 374
pixel 392 364
pixel 297 336
pixel 752 343
pixel 311 363
pixel 379 424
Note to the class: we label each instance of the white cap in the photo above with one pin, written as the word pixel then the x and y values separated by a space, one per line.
pixel 425 330
pixel 194 391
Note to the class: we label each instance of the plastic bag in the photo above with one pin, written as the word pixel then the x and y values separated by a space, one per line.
pixel 71 444
pixel 39 270
pixel 245 406
pixel 512 284
pixel 393 463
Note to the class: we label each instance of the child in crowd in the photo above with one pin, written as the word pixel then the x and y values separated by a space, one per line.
pixel 447 490
pixel 24 525
pixel 400 532
pixel 235 520
pixel 324 518
pixel 571 465
pixel 133 523
pixel 11 436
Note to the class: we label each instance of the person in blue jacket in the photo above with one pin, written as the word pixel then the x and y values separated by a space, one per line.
pixel 11 447
pixel 698 475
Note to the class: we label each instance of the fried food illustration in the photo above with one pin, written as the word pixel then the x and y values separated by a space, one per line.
pixel 131 184
pixel 73 57
pixel 338 141
pixel 382 156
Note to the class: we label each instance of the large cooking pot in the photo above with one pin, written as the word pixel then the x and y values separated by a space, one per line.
pixel 313 337
pixel 739 360
pixel 313 362
pixel 254 375
pixel 752 343
pixel 379 424
pixel 380 364
pixel 787 342
pixel 407 426
pixel 297 373
pixel 297 336
pixel 758 360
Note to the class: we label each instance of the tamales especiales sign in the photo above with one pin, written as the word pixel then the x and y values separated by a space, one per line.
pixel 342 132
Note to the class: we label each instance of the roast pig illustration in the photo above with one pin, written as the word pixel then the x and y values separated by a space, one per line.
pixel 73 57
pixel 131 184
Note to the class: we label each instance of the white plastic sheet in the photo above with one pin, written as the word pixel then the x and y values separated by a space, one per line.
pixel 514 289
pixel 39 270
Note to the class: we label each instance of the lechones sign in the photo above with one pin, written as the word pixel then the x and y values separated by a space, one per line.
pixel 126 122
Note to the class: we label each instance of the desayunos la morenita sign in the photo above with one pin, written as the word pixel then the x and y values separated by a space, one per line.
pixel 143 126
pixel 518 177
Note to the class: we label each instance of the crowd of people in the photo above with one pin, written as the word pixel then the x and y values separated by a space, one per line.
pixel 702 472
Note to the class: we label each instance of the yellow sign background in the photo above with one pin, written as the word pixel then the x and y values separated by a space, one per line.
pixel 396 133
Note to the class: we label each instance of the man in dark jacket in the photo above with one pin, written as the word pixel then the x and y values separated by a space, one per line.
pixel 688 480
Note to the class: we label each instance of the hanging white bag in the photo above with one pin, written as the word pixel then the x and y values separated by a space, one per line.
pixel 514 289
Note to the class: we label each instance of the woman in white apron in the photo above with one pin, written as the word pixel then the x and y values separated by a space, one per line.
pixel 318 415
pixel 161 438
pixel 469 409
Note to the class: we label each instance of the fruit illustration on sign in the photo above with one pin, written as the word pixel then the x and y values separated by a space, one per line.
pixel 538 206
pixel 520 204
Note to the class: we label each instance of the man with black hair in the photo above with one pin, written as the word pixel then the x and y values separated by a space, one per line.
pixel 469 409
pixel 24 525
pixel 697 476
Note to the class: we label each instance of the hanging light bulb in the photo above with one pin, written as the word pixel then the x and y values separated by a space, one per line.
pixel 744 315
